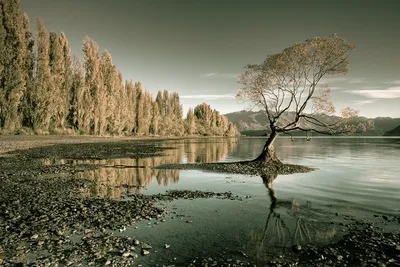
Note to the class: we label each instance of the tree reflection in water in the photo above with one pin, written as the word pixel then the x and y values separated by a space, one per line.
pixel 274 219
pixel 288 223
pixel 118 177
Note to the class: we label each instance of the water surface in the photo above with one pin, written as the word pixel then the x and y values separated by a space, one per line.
pixel 355 178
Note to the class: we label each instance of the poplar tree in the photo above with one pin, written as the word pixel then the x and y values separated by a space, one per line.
pixel 147 113
pixel 162 122
pixel 159 101
pixel 155 119
pixel 81 108
pixel 2 67
pixel 67 79
pixel 165 108
pixel 92 81
pixel 203 115
pixel 139 129
pixel 59 105
pixel 28 67
pixel 131 113
pixel 126 108
pixel 12 82
pixel 121 109
pixel 165 123
pixel 190 123
pixel 43 90
pixel 106 101
pixel 211 122
pixel 176 113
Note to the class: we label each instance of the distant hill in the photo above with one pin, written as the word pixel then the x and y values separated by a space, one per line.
pixel 394 132
pixel 255 123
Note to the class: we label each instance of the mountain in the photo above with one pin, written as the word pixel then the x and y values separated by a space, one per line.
pixel 394 132
pixel 255 123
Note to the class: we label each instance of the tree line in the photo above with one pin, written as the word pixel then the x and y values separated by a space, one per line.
pixel 45 88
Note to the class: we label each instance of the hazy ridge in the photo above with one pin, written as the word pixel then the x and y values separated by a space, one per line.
pixel 255 123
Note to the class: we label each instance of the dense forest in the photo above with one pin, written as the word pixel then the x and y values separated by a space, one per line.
pixel 44 89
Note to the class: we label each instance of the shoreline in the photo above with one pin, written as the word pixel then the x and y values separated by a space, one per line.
pixel 37 200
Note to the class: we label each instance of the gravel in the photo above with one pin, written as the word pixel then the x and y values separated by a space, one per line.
pixel 44 220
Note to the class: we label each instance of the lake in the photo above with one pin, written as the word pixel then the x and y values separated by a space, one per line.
pixel 356 178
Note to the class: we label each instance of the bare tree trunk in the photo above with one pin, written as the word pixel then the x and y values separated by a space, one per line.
pixel 268 180
pixel 268 155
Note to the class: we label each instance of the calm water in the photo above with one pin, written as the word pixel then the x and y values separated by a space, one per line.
pixel 355 177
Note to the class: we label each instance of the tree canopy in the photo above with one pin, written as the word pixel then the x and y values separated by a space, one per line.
pixel 289 84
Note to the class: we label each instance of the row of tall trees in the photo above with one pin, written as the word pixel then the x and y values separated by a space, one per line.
pixel 44 88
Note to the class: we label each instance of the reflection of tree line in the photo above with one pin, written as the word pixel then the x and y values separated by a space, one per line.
pixel 127 176
pixel 130 175
pixel 279 233
pixel 209 151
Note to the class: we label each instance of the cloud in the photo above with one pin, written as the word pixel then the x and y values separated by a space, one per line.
pixel 363 102
pixel 221 75
pixel 208 97
pixel 203 90
pixel 333 79
pixel 343 79
pixel 388 93
pixel 395 82
pixel 370 87
pixel 211 74
pixel 357 80
pixel 334 87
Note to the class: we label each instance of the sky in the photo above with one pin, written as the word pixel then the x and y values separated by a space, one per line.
pixel 198 48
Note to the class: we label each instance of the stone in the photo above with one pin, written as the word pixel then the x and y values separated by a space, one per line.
pixel 88 231
pixel 145 252
pixel 35 236
pixel 60 232
pixel 296 248
pixel 146 246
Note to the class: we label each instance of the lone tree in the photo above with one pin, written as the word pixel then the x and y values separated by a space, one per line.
pixel 288 87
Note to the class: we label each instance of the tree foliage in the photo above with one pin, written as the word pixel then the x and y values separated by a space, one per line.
pixel 288 84
pixel 44 88
pixel 51 91
pixel 210 122
pixel 13 53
